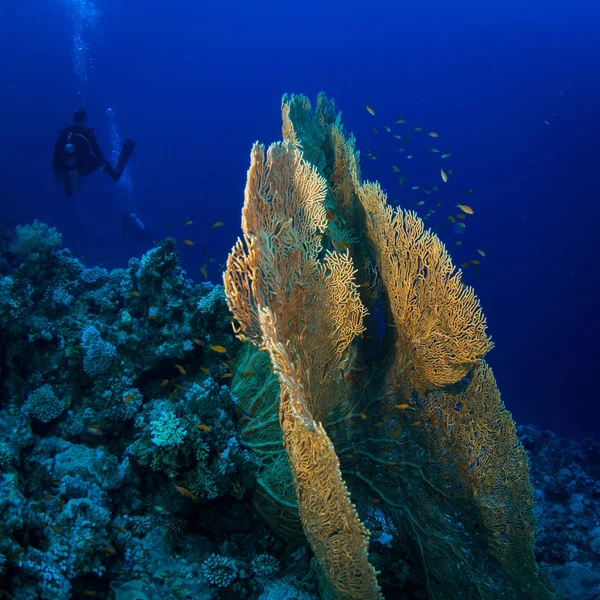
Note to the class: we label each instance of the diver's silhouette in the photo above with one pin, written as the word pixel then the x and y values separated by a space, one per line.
pixel 77 154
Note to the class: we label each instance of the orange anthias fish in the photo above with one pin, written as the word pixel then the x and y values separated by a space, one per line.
pixel 369 109
pixel 202 427
pixel 188 242
pixel 164 383
pixel 217 224
pixel 188 221
pixel 444 175
pixel 220 349
pixel 465 208
pixel 180 369
pixel 185 492
pixel 129 397
pixel 432 134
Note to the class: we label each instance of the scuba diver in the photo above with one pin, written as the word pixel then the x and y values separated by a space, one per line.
pixel 77 154
pixel 134 228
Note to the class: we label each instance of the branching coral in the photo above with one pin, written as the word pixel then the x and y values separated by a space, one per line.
pixel 435 477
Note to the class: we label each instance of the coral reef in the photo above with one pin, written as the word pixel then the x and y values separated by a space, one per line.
pixel 119 445
pixel 147 453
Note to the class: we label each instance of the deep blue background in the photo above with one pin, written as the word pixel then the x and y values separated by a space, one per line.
pixel 195 84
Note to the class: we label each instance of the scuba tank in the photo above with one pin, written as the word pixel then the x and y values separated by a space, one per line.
pixel 72 177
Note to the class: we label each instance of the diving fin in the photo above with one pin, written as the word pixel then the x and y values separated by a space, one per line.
pixel 126 152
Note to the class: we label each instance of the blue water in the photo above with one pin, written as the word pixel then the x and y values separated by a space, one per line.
pixel 512 88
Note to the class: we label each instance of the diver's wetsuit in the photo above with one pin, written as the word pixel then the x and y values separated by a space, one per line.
pixel 87 152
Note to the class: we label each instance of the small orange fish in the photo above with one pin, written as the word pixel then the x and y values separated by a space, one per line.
pixel 363 416
pixel 481 251
pixel 198 342
pixel 330 216
pixel 420 202
pixel 174 391
pixel 247 374
pixel 188 242
pixel 55 528
pixel 403 406
pixel 152 317
pixel 108 549
pixel 180 387
pixel 94 430
pixel 60 503
pixel 205 428
pixel 475 262
pixel 217 224
pixel 128 397
pixel 235 487
pixel 356 382
pixel 220 349
pixel 5 593
pixel 188 221
pixel 226 375
pixel 465 208
pixel 180 369
pixel 395 434
pixel 369 109
pixel 464 265
pixel 432 134
pixel 204 271
pixel 461 216
pixel 135 294
pixel 18 551
pixel 185 492
pixel 118 528
pixel 164 383
pixel 400 121
pixel 444 175
pixel 48 497
pixel 375 500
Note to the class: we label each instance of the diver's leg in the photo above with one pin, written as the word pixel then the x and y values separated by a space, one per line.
pixel 107 168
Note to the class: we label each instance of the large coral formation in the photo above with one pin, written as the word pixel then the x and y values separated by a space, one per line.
pixel 99 429
pixel 423 440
